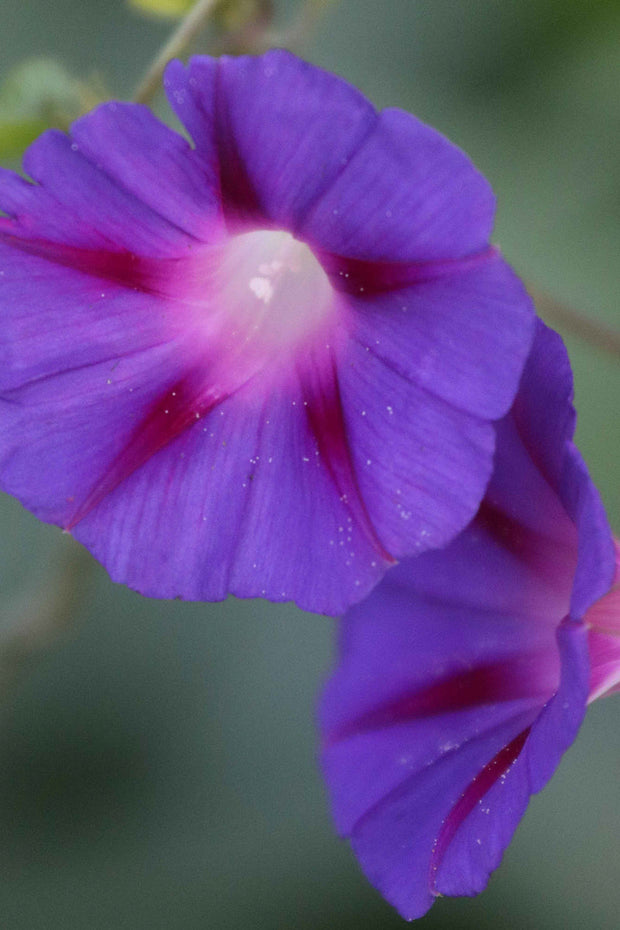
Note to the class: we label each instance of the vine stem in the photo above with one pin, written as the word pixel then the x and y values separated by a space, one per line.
pixel 187 30
pixel 570 321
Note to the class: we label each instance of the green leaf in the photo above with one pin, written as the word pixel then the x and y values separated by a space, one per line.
pixel 16 135
pixel 35 95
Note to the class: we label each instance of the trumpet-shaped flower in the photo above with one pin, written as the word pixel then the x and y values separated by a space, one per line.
pixel 465 675
pixel 269 363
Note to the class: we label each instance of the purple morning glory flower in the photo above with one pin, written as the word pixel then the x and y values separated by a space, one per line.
pixel 465 675
pixel 268 364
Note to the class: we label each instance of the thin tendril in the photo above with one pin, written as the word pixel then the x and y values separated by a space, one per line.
pixel 255 36
pixel 571 321
pixel 185 33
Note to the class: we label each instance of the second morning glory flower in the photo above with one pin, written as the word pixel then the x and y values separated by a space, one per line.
pixel 466 674
pixel 268 363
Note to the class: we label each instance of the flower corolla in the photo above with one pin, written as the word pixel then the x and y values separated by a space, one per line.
pixel 465 675
pixel 267 364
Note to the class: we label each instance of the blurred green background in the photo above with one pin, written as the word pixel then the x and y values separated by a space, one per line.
pixel 157 760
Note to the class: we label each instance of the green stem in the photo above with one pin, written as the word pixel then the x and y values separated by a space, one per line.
pixel 183 35
pixel 570 321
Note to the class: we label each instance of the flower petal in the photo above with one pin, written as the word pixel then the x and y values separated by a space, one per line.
pixel 104 416
pixel 239 503
pixel 76 203
pixel 443 334
pixel 153 163
pixel 61 433
pixel 396 839
pixel 447 644
pixel 57 319
pixel 421 466
pixel 406 195
pixel 282 129
pixel 545 418
pixel 119 319
pixel 435 739
pixel 596 563
pixel 460 684
pixel 479 842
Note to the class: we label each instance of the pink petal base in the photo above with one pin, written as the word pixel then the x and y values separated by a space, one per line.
pixel 603 620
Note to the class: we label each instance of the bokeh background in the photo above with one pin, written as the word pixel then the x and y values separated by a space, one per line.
pixel 158 760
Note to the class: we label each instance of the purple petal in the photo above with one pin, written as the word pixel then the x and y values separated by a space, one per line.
pixel 396 838
pixel 406 195
pixel 283 129
pixel 443 334
pixel 479 841
pixel 447 644
pixel 238 503
pixel 133 310
pixel 61 433
pixel 545 418
pixel 76 203
pixel 175 489
pixel 421 465
pixel 153 163
pixel 460 685
pixel 56 319
pixel 596 562
pixel 543 410
pixel 428 721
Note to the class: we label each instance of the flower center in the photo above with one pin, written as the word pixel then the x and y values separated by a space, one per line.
pixel 275 293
